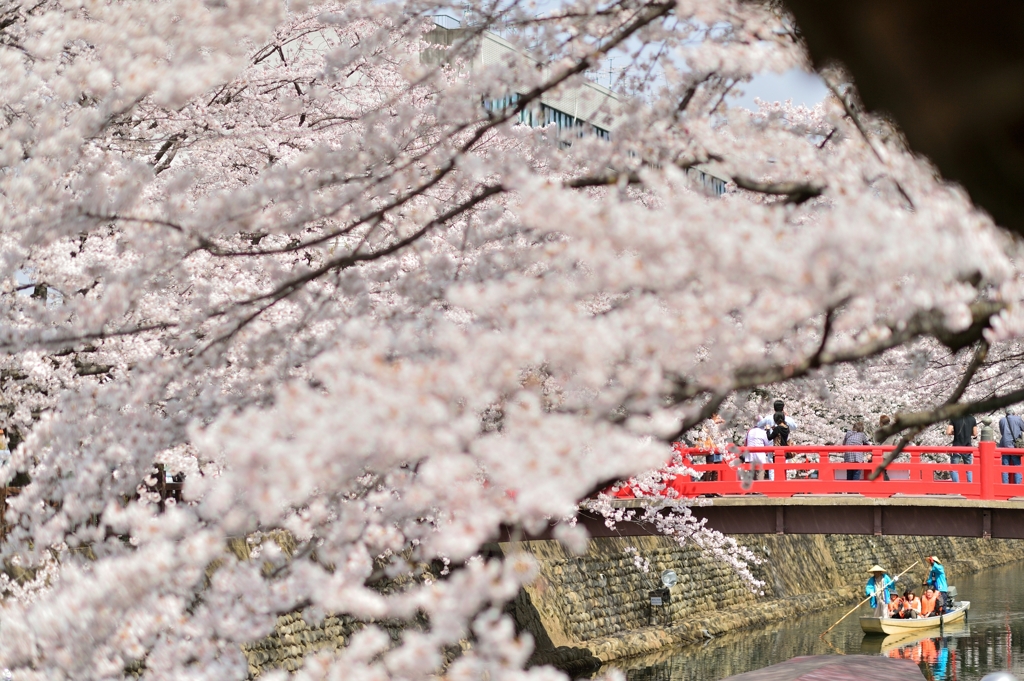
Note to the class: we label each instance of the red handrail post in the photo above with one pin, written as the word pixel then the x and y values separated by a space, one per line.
pixel 989 468
pixel 728 473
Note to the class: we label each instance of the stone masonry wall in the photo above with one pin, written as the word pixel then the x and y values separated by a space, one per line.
pixel 586 610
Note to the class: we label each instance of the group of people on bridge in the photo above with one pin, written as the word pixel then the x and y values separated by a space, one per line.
pixel 887 602
pixel 767 452
pixel 773 430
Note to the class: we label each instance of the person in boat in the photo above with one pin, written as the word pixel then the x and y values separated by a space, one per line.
pixel 929 602
pixel 879 586
pixel 937 580
pixel 911 605
pixel 896 606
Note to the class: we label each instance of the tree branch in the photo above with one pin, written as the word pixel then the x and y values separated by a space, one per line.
pixel 950 411
pixel 605 179
pixel 795 192
pixel 926 323
pixel 882 433
pixel 826 331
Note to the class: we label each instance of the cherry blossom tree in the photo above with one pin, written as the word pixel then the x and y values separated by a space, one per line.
pixel 273 248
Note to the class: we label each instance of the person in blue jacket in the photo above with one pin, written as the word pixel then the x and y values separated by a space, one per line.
pixel 878 587
pixel 937 580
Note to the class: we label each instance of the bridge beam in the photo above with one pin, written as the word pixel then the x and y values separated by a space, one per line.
pixel 951 516
pixel 931 516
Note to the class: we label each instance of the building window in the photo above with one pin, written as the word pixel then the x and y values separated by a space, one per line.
pixel 568 126
pixel 711 185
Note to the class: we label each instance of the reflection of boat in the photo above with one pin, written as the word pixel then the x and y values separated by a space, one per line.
pixel 881 644
pixel 878 625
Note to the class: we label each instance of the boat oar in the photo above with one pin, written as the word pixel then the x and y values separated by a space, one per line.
pixel 864 601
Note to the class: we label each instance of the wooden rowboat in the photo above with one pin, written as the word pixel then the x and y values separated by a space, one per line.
pixel 877 625
pixel 883 644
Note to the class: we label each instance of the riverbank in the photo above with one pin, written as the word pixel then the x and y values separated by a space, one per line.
pixel 991 640
pixel 585 611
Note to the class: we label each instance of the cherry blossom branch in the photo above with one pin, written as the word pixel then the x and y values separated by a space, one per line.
pixel 852 114
pixel 927 323
pixel 795 192
pixel 950 411
pixel 903 421
pixel 45 341
pixel 651 13
pixel 882 433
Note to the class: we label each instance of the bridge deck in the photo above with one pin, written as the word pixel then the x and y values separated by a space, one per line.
pixel 931 515
pixel 924 516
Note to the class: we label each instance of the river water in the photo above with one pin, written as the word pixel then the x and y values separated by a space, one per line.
pixel 992 639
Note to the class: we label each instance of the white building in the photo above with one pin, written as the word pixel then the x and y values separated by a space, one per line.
pixel 577 111
pixel 588 109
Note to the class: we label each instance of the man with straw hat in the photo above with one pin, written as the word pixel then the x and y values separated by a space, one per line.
pixel 878 587
pixel 937 580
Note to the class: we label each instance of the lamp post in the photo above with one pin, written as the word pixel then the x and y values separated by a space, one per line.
pixel 659 598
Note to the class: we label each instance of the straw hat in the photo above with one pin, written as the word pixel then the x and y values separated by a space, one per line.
pixel 877 568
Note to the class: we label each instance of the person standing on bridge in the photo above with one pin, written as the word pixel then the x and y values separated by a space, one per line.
pixel 883 421
pixel 879 586
pixel 1011 434
pixel 769 422
pixel 962 428
pixel 937 580
pixel 855 436
pixel 709 438
pixel 779 432
pixel 756 437
pixel 769 419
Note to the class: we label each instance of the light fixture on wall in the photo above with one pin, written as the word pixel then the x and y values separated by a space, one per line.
pixel 661 597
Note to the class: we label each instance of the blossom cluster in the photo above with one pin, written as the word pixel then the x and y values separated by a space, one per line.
pixel 270 246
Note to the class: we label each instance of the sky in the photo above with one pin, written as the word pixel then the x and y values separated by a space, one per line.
pixel 795 84
pixel 801 87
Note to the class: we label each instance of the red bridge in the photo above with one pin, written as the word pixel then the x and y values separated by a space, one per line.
pixel 811 495
pixel 820 470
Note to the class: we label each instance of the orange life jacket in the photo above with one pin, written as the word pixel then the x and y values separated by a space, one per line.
pixel 914 604
pixel 928 604
pixel 895 607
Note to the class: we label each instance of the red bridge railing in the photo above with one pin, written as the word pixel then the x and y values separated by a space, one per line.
pixel 817 474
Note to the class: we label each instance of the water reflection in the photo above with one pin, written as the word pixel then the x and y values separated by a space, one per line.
pixel 991 639
pixel 935 655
